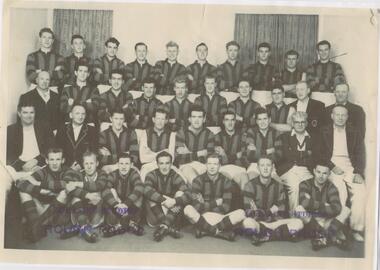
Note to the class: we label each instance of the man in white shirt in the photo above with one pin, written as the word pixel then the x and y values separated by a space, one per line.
pixel 343 146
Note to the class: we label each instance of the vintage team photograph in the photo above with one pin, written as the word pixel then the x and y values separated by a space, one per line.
pixel 192 129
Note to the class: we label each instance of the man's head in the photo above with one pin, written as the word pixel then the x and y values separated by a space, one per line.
pixel 244 88
pixel 82 71
pixel 90 163
pixel 291 59
pixel 55 159
pixel 112 45
pixel 229 120
pixel 46 38
pixel 263 51
pixel 232 48
pixel 43 80
pixel 265 166
pixel 149 88
pixel 160 118
pixel 321 172
pixel 141 50
pixel 341 93
pixel 124 163
pixel 299 121
pixel 302 90
pixel 262 118
pixel 202 51
pixel 180 87
pixel 164 162
pixel 210 84
pixel 26 112
pixel 117 119
pixel 323 50
pixel 213 164
pixel 197 117
pixel 78 114
pixel 77 44
pixel 116 79
pixel 278 94
pixel 172 50
pixel 339 115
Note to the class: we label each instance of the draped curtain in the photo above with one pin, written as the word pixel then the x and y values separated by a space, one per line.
pixel 283 32
pixel 94 25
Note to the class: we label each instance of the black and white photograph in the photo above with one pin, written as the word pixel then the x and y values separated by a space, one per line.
pixel 194 130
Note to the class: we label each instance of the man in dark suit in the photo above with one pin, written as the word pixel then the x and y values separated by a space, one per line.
pixel 45 101
pixel 76 137
pixel 27 140
pixel 315 109
pixel 343 145
pixel 356 114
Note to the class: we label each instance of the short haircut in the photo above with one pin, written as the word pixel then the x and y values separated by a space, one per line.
pixel 339 106
pixel 214 155
pixel 229 112
pixel 118 110
pixel 181 79
pixel 54 150
pixel 264 157
pixel 141 44
pixel 76 36
pixel 264 45
pixel 320 162
pixel 342 83
pixel 162 110
pixel 149 81
pixel 303 82
pixel 46 30
pixel 210 76
pixel 196 108
pixel 244 79
pixel 117 71
pixel 323 42
pixel 291 52
pixel 112 40
pixel 299 114
pixel 78 104
pixel 277 86
pixel 201 44
pixel 124 155
pixel 172 44
pixel 82 63
pixel 259 111
pixel 164 154
pixel 232 43
pixel 89 153
pixel 24 102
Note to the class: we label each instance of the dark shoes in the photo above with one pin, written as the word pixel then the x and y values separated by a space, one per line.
pixel 163 230
pixel 88 234
pixel 135 228
pixel 226 235
pixel 110 231
pixel 69 231
pixel 319 242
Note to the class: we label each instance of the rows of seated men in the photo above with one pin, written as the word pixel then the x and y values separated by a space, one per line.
pixel 80 180
pixel 240 127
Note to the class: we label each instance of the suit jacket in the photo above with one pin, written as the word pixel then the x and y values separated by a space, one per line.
pixel 73 150
pixel 356 116
pixel 315 115
pixel 355 147
pixel 46 112
pixel 44 137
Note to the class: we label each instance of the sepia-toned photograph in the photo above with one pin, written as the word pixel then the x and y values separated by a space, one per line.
pixel 189 130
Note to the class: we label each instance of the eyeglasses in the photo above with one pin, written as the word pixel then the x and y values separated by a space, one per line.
pixel 300 122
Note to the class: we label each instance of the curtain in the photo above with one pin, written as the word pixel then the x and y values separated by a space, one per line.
pixel 94 25
pixel 283 32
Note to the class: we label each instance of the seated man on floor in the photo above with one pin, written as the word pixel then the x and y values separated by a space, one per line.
pixel 155 139
pixel 116 140
pixel 265 203
pixel 123 199
pixel 296 153
pixel 84 190
pixel 193 144
pixel 321 211
pixel 210 210
pixel 43 196
pixel 343 146
pixel 166 194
